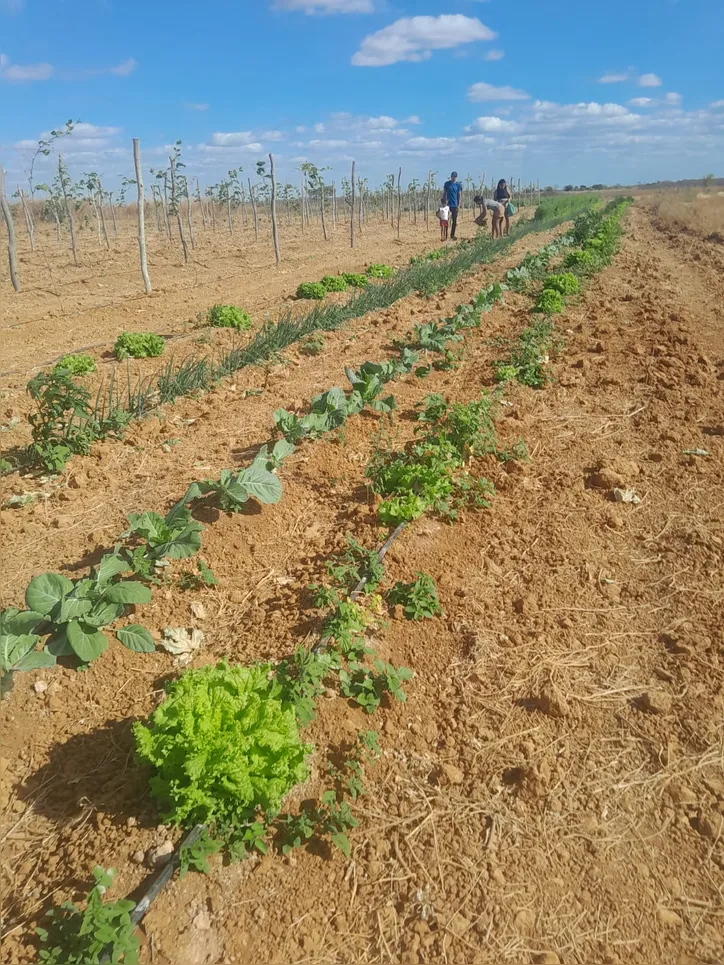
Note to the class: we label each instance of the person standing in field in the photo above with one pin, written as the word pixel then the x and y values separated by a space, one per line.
pixel 443 216
pixel 504 197
pixel 452 193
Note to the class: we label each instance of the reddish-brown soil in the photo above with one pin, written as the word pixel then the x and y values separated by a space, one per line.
pixel 553 788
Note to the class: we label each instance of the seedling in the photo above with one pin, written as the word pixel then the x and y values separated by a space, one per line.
pixel 195 581
pixel 197 855
pixel 419 599
pixel 103 932
pixel 314 345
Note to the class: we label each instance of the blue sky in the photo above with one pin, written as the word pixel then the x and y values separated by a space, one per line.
pixel 574 92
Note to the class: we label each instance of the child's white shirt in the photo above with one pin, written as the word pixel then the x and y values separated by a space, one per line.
pixel 443 213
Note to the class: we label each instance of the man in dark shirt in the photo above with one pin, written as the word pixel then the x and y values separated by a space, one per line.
pixel 452 192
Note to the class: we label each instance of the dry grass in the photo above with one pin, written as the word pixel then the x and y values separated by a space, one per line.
pixel 699 213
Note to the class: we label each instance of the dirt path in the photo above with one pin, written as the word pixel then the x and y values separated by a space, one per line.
pixel 552 790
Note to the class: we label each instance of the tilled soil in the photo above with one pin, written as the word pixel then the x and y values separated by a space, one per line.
pixel 553 788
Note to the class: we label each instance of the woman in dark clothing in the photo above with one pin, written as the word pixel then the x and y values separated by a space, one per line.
pixel 503 196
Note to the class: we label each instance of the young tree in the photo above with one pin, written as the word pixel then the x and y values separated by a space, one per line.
pixel 174 163
pixel 351 218
pixel 314 183
pixel 65 187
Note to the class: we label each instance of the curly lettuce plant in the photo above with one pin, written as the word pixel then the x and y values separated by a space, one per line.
pixel 311 289
pixel 138 345
pixel 76 364
pixel 229 316
pixel 355 279
pixel 380 271
pixel 549 302
pixel 334 283
pixel 566 283
pixel 222 745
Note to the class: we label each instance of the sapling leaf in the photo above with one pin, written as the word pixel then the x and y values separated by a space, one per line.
pixel 342 842
pixel 87 642
pixel 103 613
pixel 58 645
pixel 136 638
pixel 44 592
pixel 72 608
pixel 261 484
pixel 109 566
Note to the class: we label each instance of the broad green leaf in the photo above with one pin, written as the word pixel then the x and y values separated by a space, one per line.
pixel 181 544
pixel 261 484
pixel 342 842
pixel 14 647
pixel 104 613
pixel 36 661
pixel 58 644
pixel 110 566
pixel 72 608
pixel 150 526
pixel 87 642
pixel 45 591
pixel 282 449
pixel 128 592
pixel 84 589
pixel 136 638
pixel 19 622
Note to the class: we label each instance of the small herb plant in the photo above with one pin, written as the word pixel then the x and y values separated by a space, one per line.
pixel 334 283
pixel 313 345
pixel 76 364
pixel 204 576
pixel 197 855
pixel 229 316
pixel 380 271
pixel 102 933
pixel 311 289
pixel 223 744
pixel 419 599
pixel 138 345
pixel 368 686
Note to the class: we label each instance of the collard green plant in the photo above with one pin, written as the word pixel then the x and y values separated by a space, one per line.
pixel 101 933
pixel 138 345
pixel 229 316
pixel 18 640
pixel 175 536
pixel 76 364
pixel 234 488
pixel 222 745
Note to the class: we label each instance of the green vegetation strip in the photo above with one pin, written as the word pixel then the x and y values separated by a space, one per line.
pixel 225 748
pixel 67 421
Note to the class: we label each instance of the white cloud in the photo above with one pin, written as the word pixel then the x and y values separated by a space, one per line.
pixel 328 142
pixel 271 135
pixel 614 78
pixel 318 128
pixel 191 106
pixel 311 7
pixel 429 143
pixel 412 119
pixel 231 139
pixel 125 68
pixel 488 92
pixel 717 105
pixel 490 125
pixel 20 73
pixel 650 80
pixel 495 55
pixel 82 129
pixel 672 99
pixel 640 101
pixel 414 39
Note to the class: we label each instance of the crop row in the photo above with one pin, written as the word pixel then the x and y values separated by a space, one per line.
pixel 67 420
pixel 224 747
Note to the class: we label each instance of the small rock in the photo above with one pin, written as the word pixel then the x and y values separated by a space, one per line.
pixel 525 920
pixel 138 857
pixel 198 610
pixel 668 917
pixel 131 822
pixel 606 479
pixel 552 702
pixel 202 921
pixel 656 702
pixel 709 825
pixel 450 774
pixel 546 958
pixel 40 686
pixel 160 856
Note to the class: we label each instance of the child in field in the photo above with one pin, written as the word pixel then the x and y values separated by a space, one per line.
pixel 443 216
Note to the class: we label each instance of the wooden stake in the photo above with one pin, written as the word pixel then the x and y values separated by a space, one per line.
pixel 8 215
pixel 141 215
pixel 351 219
pixel 275 236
